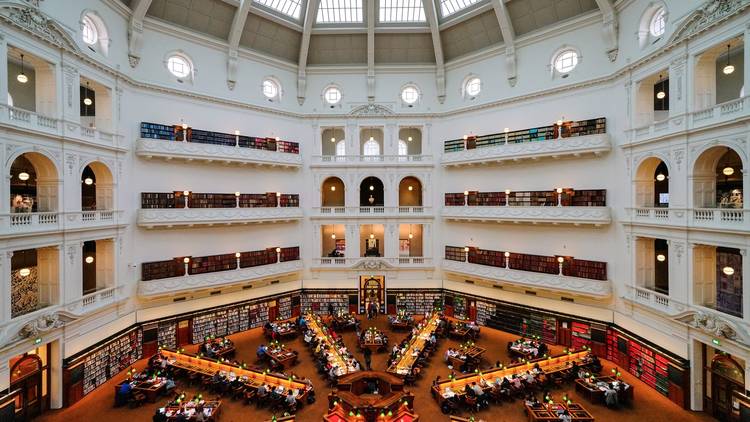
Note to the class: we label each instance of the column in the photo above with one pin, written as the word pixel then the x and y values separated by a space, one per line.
pixel 48 267
pixel 427 241
pixel 54 360
pixel 678 85
pixel 352 241
pixel 390 237
pixel 3 70
pixel 71 94
pixel 5 193
pixel 317 146
pixel 679 279
pixel 745 289
pixel 4 375
pixel 73 281
pixel 427 139
pixel 390 139
pixel 352 138
pixel 746 55
pixel 105 259
pixel 5 277
pixel 696 374
pixel 317 249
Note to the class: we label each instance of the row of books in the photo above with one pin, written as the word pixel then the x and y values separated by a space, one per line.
pixel 569 129
pixel 112 358
pixel 571 267
pixel 569 197
pixel 175 267
pixel 177 133
pixel 176 199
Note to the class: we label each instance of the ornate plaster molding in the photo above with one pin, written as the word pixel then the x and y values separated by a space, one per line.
pixel 205 152
pixel 211 280
pixel 372 264
pixel 553 148
pixel 32 20
pixel 712 13
pixel 551 214
pixel 371 110
pixel 169 217
pixel 715 324
pixel 570 285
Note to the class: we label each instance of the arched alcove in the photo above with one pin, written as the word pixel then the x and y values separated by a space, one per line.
pixel 717 179
pixel 97 187
pixel 371 192
pixel 652 183
pixel 333 193
pixel 410 192
pixel 33 183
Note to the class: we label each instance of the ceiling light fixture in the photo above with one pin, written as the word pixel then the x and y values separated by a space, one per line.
pixel 22 76
pixel 660 177
pixel 333 188
pixel 728 270
pixel 333 140
pixel 333 236
pixel 660 94
pixel 86 100
pixel 24 272
pixel 88 181
pixel 372 187
pixel 661 257
pixel 729 68
pixel 411 187
pixel 89 259
pixel 23 176
pixel 728 171
pixel 409 139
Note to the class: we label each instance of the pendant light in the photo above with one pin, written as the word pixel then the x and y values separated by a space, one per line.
pixel 372 235
pixel 411 235
pixel 729 68
pixel 728 171
pixel 22 76
pixel 660 94
pixel 660 177
pixel 86 100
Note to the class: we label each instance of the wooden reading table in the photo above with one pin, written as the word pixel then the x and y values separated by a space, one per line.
pixel 211 410
pixel 459 328
pixel 548 413
pixel 282 355
pixel 285 328
pixel 151 388
pixel 316 325
pixel 404 365
pixel 469 353
pixel 594 393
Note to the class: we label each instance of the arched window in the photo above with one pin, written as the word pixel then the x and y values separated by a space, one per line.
pixel 403 149
pixel 94 33
pixel 179 66
pixel 89 34
pixel 566 60
pixel 271 89
pixel 341 148
pixel 371 147
pixel 658 24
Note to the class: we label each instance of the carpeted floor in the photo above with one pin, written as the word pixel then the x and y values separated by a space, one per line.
pixel 648 404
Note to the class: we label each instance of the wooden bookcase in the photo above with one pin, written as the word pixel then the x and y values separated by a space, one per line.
pixel 162 269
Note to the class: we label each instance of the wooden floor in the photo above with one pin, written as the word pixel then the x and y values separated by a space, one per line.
pixel 649 406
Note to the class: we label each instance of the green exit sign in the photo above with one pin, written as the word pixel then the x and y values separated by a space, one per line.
pixel 37 340
pixel 716 341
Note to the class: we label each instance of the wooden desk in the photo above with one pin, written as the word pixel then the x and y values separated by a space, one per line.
pixel 209 367
pixel 549 414
pixel 406 362
pixel 403 415
pixel 595 394
pixel 523 350
pixel 316 325
pixel 459 328
pixel 150 388
pixel 549 365
pixel 287 328
pixel 344 322
pixel 369 341
pixel 400 323
pixel 211 408
pixel 282 355
pixel 473 355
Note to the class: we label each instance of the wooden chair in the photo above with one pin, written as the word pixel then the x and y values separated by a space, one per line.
pixel 136 399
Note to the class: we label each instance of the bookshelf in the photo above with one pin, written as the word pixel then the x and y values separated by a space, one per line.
pixel 417 301
pixel 593 270
pixel 257 258
pixel 212 200
pixel 157 131
pixel 111 358
pixel 199 136
pixel 317 301
pixel 214 323
pixel 570 197
pixel 580 335
pixel 289 200
pixel 569 129
pixel 212 264
pixel 257 314
pixel 257 200
pixel 455 253
pixel 150 200
pixel 485 311
pixel 162 269
pixel 485 257
pixel 284 308
pixel 589 198
pixel 289 254
pixel 454 199
pixel 729 287
pixel 167 334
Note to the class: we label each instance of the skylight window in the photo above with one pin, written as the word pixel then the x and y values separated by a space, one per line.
pixel 449 7
pixel 340 11
pixel 290 8
pixel 401 11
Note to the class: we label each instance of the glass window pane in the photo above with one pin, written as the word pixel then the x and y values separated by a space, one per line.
pixel 290 8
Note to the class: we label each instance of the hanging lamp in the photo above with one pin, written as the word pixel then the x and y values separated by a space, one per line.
pixel 729 68
pixel 22 78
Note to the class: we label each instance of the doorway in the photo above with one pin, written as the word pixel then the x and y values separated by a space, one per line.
pixel 371 291
pixel 726 376
pixel 30 377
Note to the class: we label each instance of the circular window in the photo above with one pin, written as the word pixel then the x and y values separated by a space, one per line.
pixel 410 94
pixel 566 61
pixel 473 87
pixel 332 95
pixel 270 89
pixel 88 31
pixel 178 66
pixel 658 22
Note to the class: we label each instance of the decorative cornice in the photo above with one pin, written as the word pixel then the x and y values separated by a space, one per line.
pixel 205 152
pixel 170 217
pixel 551 214
pixel 592 144
pixel 371 110
pixel 715 324
pixel 569 285
pixel 35 22
pixel 175 285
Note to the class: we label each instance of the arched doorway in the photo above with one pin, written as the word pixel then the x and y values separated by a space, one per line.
pixel 96 187
pixel 717 179
pixel 652 183
pixel 371 192
pixel 333 193
pixel 33 184
pixel 410 192
pixel 27 376
pixel 372 292
pixel 726 376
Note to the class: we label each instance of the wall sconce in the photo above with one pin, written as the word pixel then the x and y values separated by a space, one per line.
pixel 728 270
pixel 186 260
pixel 88 181
pixel 24 272
pixel 728 171
pixel 660 177
pixel 89 259
pixel 23 176
pixel 661 257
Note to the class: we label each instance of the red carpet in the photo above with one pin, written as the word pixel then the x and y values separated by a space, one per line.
pixel 649 406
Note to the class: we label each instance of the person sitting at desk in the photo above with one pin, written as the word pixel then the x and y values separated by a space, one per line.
pixel 565 416
pixel 169 384
pixel 479 393
pixel 123 394
pixel 610 397
pixel 468 391
pixel 261 352
pixel 262 391
pixel 290 399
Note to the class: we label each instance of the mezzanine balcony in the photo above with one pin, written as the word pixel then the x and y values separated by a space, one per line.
pixel 713 219
pixel 21 224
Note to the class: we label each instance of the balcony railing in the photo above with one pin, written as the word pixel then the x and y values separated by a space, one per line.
pixel 366 263
pixel 718 114
pixel 343 160
pixel 725 219
pixel 210 153
pixel 371 211
pixel 212 280
pixel 180 217
pixel 39 222
pixel 29 120
pixel 553 282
